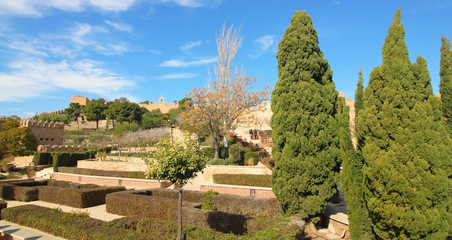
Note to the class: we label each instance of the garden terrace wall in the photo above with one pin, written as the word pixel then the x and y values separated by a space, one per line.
pixel 163 205
pixel 76 195
pixel 112 166
pixel 211 170
pixel 21 191
pixel 105 173
pixel 257 192
pixel 112 181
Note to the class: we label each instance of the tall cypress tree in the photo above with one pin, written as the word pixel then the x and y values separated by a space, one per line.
pixel 352 179
pixel 359 101
pixel 445 86
pixel 305 128
pixel 405 148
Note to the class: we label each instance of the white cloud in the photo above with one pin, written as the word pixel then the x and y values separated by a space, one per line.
pixel 119 26
pixel 189 45
pixel 181 63
pixel 177 76
pixel 37 8
pixel 266 41
pixel 192 3
pixel 35 77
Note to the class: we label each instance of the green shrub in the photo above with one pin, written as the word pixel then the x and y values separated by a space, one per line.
pixel 252 155
pixel 210 152
pixel 253 180
pixel 3 205
pixel 220 161
pixel 73 196
pixel 279 231
pixel 68 159
pixel 42 158
pixel 207 201
pixel 96 172
pixel 235 153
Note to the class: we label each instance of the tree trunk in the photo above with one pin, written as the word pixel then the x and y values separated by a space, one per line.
pixel 97 124
pixel 217 148
pixel 179 228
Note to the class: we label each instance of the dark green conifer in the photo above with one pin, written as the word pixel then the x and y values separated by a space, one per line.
pixel 359 100
pixel 445 86
pixel 405 148
pixel 305 128
pixel 352 179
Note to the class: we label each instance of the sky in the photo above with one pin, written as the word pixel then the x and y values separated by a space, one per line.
pixel 51 50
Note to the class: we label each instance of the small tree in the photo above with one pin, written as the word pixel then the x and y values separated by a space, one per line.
pixel 95 110
pixel 223 101
pixel 74 111
pixel 177 163
pixel 445 86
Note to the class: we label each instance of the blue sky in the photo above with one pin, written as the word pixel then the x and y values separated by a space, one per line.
pixel 143 49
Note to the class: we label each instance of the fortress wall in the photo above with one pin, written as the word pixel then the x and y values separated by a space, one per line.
pixel 164 107
pixel 46 133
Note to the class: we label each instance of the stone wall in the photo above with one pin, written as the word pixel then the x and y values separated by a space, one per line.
pixel 164 107
pixel 209 171
pixel 23 161
pixel 47 133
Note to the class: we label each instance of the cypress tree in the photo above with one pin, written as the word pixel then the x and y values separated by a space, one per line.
pixel 405 148
pixel 352 180
pixel 359 101
pixel 305 127
pixel 445 86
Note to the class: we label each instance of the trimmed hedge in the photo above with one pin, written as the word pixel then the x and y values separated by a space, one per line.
pixel 243 180
pixel 95 172
pixel 42 158
pixel 77 226
pixel 21 191
pixel 147 204
pixel 3 205
pixel 68 159
pixel 78 196
pixel 67 225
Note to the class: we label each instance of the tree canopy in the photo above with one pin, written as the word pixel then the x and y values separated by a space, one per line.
pixel 305 127
pixel 95 110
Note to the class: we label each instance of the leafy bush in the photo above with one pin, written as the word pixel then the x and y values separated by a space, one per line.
pixel 220 161
pixel 207 201
pixel 210 152
pixel 68 159
pixel 42 158
pixel 243 180
pixel 253 155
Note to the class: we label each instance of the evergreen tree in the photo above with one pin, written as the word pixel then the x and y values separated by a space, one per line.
pixel 405 148
pixel 305 128
pixel 445 86
pixel 95 110
pixel 352 179
pixel 359 101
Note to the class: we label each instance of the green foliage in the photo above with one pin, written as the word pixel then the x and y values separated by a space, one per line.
pixel 68 159
pixel 243 180
pixel 207 201
pixel 152 119
pixel 236 153
pixel 251 155
pixel 209 152
pixel 406 151
pixel 52 117
pixel 222 161
pixel 122 110
pixel 445 85
pixel 352 179
pixel 106 173
pixel 175 162
pixel 42 158
pixel 123 128
pixel 14 140
pixel 359 100
pixel 305 128
pixel 95 110
pixel 74 111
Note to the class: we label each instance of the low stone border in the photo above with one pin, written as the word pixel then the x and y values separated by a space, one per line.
pixel 112 181
pixel 258 192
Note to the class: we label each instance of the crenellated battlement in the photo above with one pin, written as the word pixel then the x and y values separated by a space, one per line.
pixel 34 123
pixel 47 133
